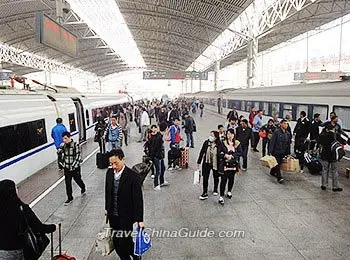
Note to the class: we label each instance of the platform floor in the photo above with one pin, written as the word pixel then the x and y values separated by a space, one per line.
pixel 295 220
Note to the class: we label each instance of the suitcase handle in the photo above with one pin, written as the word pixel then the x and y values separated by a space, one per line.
pixel 59 241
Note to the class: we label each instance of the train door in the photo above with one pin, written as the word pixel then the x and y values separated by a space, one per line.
pixel 81 119
pixel 219 105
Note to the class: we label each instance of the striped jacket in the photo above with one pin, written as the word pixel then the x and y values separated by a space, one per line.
pixel 69 155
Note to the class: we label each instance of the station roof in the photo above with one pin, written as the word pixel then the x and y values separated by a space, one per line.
pixel 314 15
pixel 170 34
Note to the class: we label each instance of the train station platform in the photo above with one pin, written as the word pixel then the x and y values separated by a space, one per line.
pixel 294 220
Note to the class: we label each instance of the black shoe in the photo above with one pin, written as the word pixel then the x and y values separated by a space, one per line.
pixel 68 201
pixel 83 191
pixel 204 196
pixel 136 257
pixel 280 180
pixel 229 195
pixel 192 146
pixel 337 189
pixel 323 187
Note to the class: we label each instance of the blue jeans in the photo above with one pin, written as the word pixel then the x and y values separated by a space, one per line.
pixel 189 137
pixel 160 169
pixel 113 146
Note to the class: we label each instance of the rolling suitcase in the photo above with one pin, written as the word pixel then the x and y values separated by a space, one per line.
pixel 314 165
pixel 184 158
pixel 102 160
pixel 60 256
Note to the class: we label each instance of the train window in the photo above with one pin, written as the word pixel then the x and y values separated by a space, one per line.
pixel 322 110
pixel 275 107
pixel 248 106
pixel 87 117
pixel 257 105
pixel 266 108
pixel 237 104
pixel 287 110
pixel 243 106
pixel 72 124
pixel 344 115
pixel 20 138
pixel 303 108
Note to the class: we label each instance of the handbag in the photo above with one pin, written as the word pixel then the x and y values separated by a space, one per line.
pixel 33 244
pixel 104 242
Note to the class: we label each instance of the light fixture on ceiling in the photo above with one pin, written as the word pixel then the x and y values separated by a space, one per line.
pixel 105 18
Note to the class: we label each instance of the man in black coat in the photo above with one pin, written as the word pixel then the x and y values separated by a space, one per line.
pixel 232 113
pixel 244 134
pixel 279 148
pixel 301 131
pixel 123 203
pixel 315 130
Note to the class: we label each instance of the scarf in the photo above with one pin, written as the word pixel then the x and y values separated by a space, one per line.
pixel 211 155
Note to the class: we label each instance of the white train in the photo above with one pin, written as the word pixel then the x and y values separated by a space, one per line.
pixel 26 121
pixel 321 98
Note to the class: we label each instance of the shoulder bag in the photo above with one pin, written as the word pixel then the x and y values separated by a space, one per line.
pixel 33 244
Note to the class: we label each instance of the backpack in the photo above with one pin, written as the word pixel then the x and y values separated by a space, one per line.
pixel 177 135
pixel 337 150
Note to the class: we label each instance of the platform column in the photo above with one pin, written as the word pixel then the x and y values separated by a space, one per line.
pixel 216 74
pixel 252 47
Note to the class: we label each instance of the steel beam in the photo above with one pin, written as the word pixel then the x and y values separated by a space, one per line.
pixel 167 32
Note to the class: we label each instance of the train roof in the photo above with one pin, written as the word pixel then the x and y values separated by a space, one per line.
pixel 335 88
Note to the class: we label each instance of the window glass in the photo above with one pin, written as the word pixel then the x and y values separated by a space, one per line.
pixel 257 105
pixel 20 138
pixel 343 114
pixel 266 108
pixel 87 117
pixel 303 108
pixel 322 110
pixel 243 108
pixel 248 106
pixel 287 110
pixel 72 124
pixel 275 108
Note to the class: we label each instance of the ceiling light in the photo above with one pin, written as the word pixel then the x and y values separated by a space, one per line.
pixel 105 18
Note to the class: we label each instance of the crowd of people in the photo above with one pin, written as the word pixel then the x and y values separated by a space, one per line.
pixel 157 123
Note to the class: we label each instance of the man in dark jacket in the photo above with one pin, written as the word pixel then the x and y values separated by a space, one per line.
pixel 123 203
pixel 329 163
pixel 244 134
pixel 232 113
pixel 156 152
pixel 189 126
pixel 315 130
pixel 70 159
pixel 162 116
pixel 301 131
pixel 279 148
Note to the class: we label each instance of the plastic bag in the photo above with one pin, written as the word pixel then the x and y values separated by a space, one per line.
pixel 142 243
pixel 197 177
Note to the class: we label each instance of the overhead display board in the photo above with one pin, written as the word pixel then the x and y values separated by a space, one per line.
pixel 175 75
pixel 316 76
pixel 54 35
